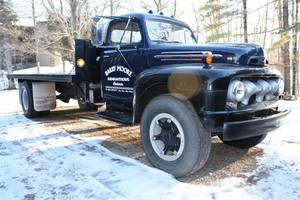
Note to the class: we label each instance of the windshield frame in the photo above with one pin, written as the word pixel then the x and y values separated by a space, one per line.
pixel 169 22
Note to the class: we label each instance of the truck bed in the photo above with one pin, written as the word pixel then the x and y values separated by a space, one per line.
pixel 52 74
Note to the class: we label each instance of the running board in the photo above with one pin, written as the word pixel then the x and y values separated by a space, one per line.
pixel 121 117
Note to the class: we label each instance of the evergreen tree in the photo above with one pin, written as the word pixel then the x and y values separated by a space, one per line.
pixel 218 16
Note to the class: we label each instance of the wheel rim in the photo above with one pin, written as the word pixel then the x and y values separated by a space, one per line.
pixel 25 101
pixel 167 137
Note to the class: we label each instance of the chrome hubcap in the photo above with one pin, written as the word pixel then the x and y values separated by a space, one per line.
pixel 24 96
pixel 166 136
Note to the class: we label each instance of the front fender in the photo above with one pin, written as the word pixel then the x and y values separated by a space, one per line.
pixel 205 87
pixel 173 79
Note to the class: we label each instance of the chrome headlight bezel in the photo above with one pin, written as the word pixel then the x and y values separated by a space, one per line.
pixel 236 91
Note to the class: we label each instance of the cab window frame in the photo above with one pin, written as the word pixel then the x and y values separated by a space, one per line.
pixel 110 29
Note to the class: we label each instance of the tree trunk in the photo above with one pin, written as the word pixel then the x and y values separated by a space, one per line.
pixel 35 36
pixel 295 50
pixel 285 47
pixel 266 24
pixel 245 21
pixel 174 8
pixel 111 6
pixel 8 60
pixel 75 17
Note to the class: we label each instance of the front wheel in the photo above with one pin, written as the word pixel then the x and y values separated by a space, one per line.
pixel 173 137
pixel 245 143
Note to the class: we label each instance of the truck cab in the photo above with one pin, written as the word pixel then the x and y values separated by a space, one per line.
pixel 149 70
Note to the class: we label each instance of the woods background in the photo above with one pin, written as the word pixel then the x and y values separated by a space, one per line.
pixel 43 31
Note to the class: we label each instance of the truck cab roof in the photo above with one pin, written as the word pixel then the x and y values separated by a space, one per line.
pixel 144 16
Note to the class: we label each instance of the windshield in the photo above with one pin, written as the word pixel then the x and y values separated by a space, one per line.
pixel 168 32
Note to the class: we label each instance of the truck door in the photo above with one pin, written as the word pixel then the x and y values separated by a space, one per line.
pixel 119 71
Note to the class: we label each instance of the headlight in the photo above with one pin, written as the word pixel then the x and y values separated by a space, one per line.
pixel 236 91
pixel 281 87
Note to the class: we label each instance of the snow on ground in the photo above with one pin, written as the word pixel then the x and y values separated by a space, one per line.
pixel 36 163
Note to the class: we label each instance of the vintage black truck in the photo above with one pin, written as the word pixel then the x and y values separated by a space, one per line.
pixel 148 69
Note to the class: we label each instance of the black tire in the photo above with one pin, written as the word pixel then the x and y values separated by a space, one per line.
pixel 197 141
pixel 26 100
pixel 43 113
pixel 244 143
pixel 85 106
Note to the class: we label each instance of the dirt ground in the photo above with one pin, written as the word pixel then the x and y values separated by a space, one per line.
pixel 224 161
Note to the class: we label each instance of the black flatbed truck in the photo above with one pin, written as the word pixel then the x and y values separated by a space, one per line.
pixel 148 69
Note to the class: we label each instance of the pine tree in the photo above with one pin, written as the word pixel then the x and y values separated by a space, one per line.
pixel 218 21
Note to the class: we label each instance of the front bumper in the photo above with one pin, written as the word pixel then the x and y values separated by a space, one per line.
pixel 237 130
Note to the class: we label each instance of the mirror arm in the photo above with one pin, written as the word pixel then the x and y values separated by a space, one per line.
pixel 126 27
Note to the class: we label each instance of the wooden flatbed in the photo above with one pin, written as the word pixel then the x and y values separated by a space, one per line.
pixel 49 74
pixel 45 77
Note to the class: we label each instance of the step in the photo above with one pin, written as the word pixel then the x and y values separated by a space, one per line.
pixel 121 117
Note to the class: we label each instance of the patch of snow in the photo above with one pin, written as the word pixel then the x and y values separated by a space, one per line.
pixel 42 164
pixel 9 102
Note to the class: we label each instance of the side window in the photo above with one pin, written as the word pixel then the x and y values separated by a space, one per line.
pixel 132 34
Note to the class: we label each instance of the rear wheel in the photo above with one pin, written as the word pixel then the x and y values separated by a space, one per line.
pixel 173 137
pixel 245 143
pixel 26 100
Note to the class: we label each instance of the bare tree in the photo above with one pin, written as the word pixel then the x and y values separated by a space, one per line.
pixel 198 18
pixel 295 58
pixel 158 5
pixel 7 21
pixel 266 24
pixel 285 53
pixel 35 34
pixel 245 21
pixel 174 12
pixel 114 5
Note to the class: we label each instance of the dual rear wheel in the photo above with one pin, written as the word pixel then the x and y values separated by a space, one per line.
pixel 26 99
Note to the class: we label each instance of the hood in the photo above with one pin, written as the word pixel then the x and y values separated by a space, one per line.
pixel 241 54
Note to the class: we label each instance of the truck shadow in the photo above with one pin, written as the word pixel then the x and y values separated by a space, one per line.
pixel 224 161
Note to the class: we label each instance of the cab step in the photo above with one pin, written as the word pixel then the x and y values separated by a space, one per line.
pixel 121 117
